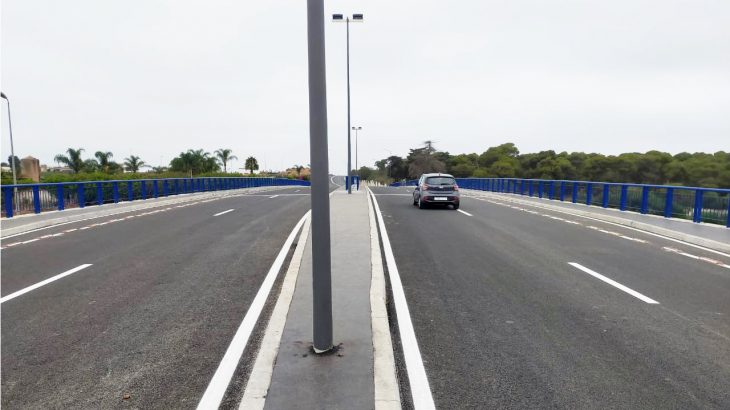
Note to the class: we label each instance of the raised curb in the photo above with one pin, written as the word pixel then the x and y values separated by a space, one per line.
pixel 74 215
pixel 693 239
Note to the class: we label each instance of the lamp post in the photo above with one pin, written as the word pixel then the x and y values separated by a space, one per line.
pixel 12 148
pixel 321 252
pixel 356 18
pixel 356 168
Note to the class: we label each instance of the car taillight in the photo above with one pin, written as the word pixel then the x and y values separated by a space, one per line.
pixel 456 187
pixel 424 187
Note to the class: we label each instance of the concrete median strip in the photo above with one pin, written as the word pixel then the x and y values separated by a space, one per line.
pixel 259 381
pixel 387 395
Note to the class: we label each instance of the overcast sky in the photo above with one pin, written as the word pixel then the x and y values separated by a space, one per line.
pixel 154 78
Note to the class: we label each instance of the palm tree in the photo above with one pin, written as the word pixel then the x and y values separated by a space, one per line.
pixel 103 159
pixel 194 162
pixel 72 160
pixel 299 169
pixel 224 155
pixel 252 164
pixel 133 163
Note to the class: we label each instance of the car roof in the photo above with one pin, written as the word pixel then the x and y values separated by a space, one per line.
pixel 437 175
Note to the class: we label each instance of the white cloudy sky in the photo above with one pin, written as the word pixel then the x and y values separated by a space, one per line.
pixel 154 77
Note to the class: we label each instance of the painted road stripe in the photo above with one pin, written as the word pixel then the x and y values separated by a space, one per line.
pixel 464 212
pixel 420 389
pixel 273 196
pixel 224 212
pixel 222 377
pixel 45 282
pixel 614 283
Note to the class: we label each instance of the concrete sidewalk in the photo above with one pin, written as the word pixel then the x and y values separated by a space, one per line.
pixel 348 377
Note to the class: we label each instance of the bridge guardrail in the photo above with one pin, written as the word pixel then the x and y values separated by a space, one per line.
pixel 40 197
pixel 711 205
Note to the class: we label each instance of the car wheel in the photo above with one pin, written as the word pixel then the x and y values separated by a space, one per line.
pixel 456 206
pixel 421 204
pixel 414 201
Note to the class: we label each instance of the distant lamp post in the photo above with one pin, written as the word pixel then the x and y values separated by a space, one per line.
pixel 356 18
pixel 356 129
pixel 12 148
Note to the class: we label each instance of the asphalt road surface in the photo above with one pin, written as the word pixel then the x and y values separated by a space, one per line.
pixel 504 320
pixel 153 314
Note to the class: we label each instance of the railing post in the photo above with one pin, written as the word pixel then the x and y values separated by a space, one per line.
pixel 99 194
pixel 530 187
pixel 522 187
pixel 130 190
pixel 589 193
pixel 644 200
pixel 8 202
pixel 115 190
pixel 143 189
pixel 624 197
pixel 156 189
pixel 60 197
pixel 165 188
pixel 562 191
pixel 606 192
pixel 727 224
pixel 668 203
pixel 36 199
pixel 574 194
pixel 539 189
pixel 81 193
pixel 698 206
pixel 176 186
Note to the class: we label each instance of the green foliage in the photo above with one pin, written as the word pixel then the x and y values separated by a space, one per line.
pixel 252 164
pixel 72 160
pixel 194 162
pixel 505 160
pixel 224 156
pixel 133 163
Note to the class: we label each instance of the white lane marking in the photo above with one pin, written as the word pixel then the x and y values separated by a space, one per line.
pixel 614 283
pixel 224 212
pixel 420 390
pixel 464 212
pixel 259 381
pixel 45 282
pixel 702 258
pixel 273 196
pixel 297 190
pixel 219 383
pixel 637 230
pixel 31 240
pixel 71 230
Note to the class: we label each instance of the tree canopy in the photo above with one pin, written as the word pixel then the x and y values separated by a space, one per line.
pixel 505 160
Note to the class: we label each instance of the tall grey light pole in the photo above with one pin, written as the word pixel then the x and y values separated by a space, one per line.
pixel 356 168
pixel 356 18
pixel 321 257
pixel 12 149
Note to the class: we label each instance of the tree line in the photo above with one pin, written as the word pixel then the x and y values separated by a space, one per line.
pixel 505 160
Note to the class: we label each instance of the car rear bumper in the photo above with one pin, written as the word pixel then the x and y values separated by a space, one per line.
pixel 431 199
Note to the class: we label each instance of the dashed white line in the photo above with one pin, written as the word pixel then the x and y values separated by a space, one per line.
pixel 614 283
pixel 273 196
pixel 695 257
pixel 224 212
pixel 464 212
pixel 45 282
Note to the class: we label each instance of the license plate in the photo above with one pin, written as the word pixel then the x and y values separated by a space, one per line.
pixel 440 198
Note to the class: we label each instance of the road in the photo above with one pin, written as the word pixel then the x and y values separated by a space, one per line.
pixel 503 320
pixel 147 323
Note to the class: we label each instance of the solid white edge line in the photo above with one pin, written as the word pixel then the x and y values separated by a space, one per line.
pixel 420 389
pixel 224 212
pixel 387 394
pixel 614 283
pixel 219 383
pixel 528 203
pixel 259 381
pixel 45 282
pixel 464 212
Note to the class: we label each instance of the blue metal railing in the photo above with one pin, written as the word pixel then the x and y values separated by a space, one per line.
pixel 37 198
pixel 355 180
pixel 711 205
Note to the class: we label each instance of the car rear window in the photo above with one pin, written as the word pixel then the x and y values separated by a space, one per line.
pixel 440 181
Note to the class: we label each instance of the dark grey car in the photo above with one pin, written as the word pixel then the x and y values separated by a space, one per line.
pixel 436 189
